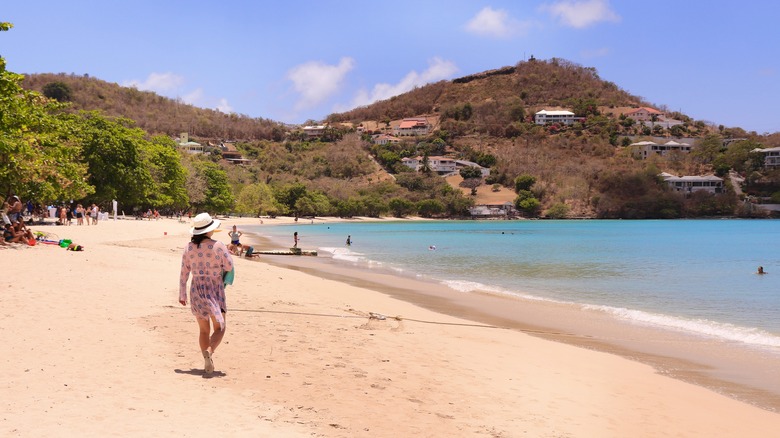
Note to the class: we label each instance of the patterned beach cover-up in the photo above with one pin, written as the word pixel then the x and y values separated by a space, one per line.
pixel 207 289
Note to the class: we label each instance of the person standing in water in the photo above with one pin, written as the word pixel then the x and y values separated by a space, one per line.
pixel 295 239
pixel 349 240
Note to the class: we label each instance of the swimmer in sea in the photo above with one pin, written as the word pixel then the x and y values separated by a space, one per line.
pixel 760 270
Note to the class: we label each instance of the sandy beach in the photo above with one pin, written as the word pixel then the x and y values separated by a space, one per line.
pixel 97 345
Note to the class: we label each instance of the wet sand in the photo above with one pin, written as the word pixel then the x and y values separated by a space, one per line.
pixel 742 372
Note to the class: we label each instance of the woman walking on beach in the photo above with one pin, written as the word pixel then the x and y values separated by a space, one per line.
pixel 209 261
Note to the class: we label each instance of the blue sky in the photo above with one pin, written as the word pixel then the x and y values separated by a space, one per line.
pixel 292 61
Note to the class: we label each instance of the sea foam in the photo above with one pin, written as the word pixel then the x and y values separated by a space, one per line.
pixel 701 327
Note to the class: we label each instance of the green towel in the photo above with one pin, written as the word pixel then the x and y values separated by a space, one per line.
pixel 227 277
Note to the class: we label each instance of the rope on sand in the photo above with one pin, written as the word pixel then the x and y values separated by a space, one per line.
pixel 381 317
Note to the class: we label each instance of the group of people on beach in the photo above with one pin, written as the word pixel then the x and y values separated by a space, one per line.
pixel 237 248
pixel 84 215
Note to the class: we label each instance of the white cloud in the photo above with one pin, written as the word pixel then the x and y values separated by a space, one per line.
pixel 496 23
pixel 224 106
pixel 595 53
pixel 581 14
pixel 158 82
pixel 170 84
pixel 194 97
pixel 438 69
pixel 316 81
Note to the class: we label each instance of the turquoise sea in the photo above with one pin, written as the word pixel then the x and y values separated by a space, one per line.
pixel 694 276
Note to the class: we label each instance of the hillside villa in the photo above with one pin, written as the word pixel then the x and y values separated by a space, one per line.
pixel 385 139
pixel 651 117
pixel 690 184
pixel 771 156
pixel 545 117
pixel 442 165
pixel 231 154
pixel 314 131
pixel 188 146
pixel 644 149
pixel 644 114
pixel 412 127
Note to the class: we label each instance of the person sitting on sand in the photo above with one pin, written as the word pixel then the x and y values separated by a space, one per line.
pixel 21 229
pixel 760 270
pixel 10 235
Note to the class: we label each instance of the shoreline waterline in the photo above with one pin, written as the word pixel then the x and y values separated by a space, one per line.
pixel 741 372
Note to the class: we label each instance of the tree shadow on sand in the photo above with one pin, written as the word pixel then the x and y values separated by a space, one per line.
pixel 200 372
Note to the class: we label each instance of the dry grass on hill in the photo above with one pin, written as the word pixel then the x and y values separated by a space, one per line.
pixel 485 193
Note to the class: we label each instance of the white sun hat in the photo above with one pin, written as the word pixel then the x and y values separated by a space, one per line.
pixel 203 223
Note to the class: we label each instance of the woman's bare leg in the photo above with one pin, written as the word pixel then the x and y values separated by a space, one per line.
pixel 205 331
pixel 219 333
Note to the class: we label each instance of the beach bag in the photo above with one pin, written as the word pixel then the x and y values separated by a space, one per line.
pixel 227 277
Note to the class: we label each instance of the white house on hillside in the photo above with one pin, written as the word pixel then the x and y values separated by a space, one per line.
pixel 691 184
pixel 385 139
pixel 644 149
pixel 544 117
pixel 188 146
pixel 314 131
pixel 440 165
pixel 771 156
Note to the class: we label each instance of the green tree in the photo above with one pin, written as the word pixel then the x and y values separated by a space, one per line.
pixel 218 197
pixel 524 182
pixel 288 195
pixel 313 203
pixel 59 91
pixel 168 174
pixel 430 207
pixel 707 149
pixel 737 155
pixel 257 199
pixel 583 107
pixel 39 156
pixel 113 152
pixel 557 211
pixel 374 206
pixel 349 207
pixel 470 172
pixel 401 207
pixel 527 203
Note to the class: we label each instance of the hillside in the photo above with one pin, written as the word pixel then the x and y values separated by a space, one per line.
pixel 530 85
pixel 581 170
pixel 154 113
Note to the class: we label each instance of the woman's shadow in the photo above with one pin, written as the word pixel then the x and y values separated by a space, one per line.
pixel 200 372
